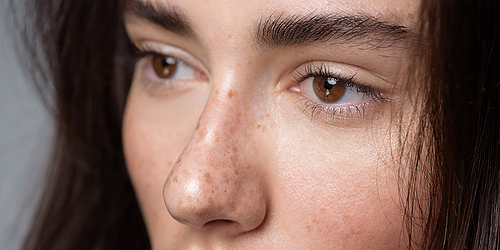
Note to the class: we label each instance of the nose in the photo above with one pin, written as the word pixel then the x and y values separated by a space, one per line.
pixel 218 182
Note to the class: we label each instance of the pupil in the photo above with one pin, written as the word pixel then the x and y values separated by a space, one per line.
pixel 327 85
pixel 164 62
pixel 167 61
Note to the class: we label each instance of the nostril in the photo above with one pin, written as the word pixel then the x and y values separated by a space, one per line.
pixel 219 223
pixel 224 227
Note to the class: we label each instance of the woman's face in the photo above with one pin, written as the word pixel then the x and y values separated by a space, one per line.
pixel 268 124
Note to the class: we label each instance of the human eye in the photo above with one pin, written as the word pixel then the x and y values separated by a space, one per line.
pixel 162 71
pixel 334 94
pixel 166 67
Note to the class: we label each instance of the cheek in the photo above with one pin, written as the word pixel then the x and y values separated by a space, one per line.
pixel 347 197
pixel 149 157
pixel 153 138
pixel 149 160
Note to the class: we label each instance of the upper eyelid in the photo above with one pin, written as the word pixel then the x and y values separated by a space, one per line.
pixel 354 73
pixel 312 68
pixel 174 51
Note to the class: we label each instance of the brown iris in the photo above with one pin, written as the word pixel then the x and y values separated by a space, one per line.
pixel 164 66
pixel 328 89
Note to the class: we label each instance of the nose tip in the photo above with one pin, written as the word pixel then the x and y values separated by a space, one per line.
pixel 205 191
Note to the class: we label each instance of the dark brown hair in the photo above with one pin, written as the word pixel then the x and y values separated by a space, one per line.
pixel 88 201
pixel 462 113
pixel 79 46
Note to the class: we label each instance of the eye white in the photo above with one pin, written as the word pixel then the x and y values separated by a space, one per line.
pixel 183 71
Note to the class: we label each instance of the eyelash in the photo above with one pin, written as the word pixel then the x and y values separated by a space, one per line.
pixel 143 52
pixel 316 108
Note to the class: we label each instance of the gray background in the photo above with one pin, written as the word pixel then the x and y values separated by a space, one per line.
pixel 25 137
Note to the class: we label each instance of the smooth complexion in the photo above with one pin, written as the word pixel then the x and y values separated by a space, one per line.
pixel 235 149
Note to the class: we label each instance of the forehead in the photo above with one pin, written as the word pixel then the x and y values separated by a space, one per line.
pixel 376 22
pixel 402 12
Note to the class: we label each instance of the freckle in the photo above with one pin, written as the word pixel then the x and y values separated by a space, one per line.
pixel 179 160
pixel 238 65
pixel 176 180
pixel 202 135
pixel 225 176
pixel 232 93
pixel 410 16
pixel 267 115
pixel 208 177
pixel 249 62
pixel 235 149
pixel 258 126
pixel 216 92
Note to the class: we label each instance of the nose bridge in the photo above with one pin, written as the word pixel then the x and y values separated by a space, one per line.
pixel 218 176
pixel 224 131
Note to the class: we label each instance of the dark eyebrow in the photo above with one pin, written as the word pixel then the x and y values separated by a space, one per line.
pixel 167 17
pixel 282 30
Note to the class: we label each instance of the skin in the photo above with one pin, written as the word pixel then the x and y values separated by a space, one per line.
pixel 232 156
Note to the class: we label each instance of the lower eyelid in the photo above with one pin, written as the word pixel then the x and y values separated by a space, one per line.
pixel 327 113
pixel 331 114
